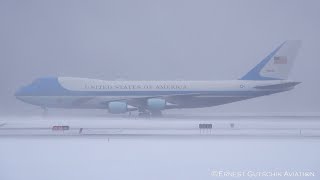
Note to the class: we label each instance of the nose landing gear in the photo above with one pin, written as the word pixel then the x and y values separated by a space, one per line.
pixel 45 111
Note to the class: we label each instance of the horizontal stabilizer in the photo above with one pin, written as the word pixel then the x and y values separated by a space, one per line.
pixel 278 86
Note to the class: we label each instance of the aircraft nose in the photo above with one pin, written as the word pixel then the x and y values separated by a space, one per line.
pixel 19 92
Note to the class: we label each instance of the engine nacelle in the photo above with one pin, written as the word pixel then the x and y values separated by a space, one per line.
pixel 155 104
pixel 117 107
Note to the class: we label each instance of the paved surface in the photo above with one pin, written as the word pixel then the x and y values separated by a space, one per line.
pixel 295 126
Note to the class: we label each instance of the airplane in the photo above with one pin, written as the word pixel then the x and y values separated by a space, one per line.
pixel 150 98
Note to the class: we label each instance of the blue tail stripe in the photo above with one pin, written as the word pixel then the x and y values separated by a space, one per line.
pixel 254 74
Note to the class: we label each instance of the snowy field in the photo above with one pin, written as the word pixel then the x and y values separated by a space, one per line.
pixel 201 156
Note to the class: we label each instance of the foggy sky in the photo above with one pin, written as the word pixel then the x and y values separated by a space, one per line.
pixel 158 40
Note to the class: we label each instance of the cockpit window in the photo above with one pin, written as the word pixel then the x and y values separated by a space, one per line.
pixel 38 81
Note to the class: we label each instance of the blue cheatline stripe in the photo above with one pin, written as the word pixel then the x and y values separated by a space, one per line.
pixel 254 74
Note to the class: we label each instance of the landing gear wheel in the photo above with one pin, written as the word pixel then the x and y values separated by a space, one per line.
pixel 144 114
pixel 156 114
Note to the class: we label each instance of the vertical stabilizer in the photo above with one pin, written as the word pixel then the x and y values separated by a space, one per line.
pixel 277 65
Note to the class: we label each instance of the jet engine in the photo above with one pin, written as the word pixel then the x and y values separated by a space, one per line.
pixel 156 104
pixel 119 107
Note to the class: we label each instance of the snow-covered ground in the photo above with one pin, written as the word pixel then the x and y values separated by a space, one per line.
pixel 297 126
pixel 67 158
pixel 253 146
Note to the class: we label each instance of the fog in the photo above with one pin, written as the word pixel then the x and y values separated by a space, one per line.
pixel 156 40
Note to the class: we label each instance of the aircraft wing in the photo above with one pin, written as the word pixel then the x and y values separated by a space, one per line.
pixel 141 102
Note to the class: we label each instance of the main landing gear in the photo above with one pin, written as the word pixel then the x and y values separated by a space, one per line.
pixel 144 114
pixel 147 114
pixel 156 114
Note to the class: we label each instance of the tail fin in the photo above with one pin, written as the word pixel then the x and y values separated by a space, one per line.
pixel 277 65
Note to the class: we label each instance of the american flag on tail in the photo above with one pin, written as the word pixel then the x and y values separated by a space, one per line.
pixel 280 60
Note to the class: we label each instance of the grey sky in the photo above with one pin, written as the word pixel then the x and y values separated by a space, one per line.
pixel 161 40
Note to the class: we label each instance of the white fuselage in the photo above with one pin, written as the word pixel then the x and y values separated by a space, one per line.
pixel 68 92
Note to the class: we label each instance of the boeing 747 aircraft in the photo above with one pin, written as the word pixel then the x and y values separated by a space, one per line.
pixel 270 76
